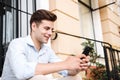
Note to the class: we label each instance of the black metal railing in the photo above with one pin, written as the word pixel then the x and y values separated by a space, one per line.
pixel 111 57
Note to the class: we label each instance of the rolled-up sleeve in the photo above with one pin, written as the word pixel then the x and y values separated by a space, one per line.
pixel 63 73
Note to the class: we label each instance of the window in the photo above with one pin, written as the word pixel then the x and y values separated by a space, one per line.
pixel 16 18
pixel 90 22
pixel 14 22
pixel 86 19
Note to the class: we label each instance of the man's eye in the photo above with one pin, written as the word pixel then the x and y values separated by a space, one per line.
pixel 47 28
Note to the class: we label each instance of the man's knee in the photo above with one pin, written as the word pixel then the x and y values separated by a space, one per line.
pixel 42 77
pixel 71 78
pixel 39 77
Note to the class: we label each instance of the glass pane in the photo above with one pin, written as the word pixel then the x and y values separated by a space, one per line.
pixel 30 6
pixel 86 22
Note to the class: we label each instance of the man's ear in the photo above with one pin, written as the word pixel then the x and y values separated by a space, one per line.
pixel 33 26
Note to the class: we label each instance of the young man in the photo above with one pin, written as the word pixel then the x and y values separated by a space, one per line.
pixel 29 56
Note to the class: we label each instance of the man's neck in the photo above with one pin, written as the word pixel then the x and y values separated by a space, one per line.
pixel 37 44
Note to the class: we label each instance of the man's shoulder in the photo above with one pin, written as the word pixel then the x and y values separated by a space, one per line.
pixel 16 41
pixel 21 39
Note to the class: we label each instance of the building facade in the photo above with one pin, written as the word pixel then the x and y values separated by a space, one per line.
pixel 94 19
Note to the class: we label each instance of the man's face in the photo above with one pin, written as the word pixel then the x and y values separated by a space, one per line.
pixel 43 31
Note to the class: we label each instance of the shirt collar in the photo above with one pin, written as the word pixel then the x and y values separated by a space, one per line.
pixel 29 41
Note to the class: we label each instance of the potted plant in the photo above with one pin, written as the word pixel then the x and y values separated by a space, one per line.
pixel 96 71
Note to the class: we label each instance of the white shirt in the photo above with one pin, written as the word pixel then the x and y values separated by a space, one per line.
pixel 22 58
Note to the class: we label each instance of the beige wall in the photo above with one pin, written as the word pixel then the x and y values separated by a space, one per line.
pixel 110 23
pixel 68 22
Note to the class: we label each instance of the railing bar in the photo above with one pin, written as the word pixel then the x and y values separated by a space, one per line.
pixel 83 38
pixel 107 62
pixel 27 15
pixel 118 58
pixel 112 63
pixel 16 8
pixel 20 16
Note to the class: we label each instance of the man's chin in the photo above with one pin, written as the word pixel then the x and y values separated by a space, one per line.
pixel 45 42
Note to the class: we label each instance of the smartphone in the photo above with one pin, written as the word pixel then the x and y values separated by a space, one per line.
pixel 87 50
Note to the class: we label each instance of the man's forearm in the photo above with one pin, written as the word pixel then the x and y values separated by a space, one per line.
pixel 50 68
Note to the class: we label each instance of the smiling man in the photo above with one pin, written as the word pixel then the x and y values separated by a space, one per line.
pixel 28 57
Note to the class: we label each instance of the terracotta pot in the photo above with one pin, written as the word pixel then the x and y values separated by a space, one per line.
pixel 88 71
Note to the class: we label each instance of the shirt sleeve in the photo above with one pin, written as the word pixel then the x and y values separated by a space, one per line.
pixel 18 62
pixel 64 73
pixel 55 58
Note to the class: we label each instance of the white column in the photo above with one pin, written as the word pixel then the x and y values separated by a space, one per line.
pixel 98 29
pixel 42 4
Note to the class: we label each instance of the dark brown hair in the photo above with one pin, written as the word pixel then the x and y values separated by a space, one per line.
pixel 42 14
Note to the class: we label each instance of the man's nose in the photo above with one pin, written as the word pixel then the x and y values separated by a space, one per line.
pixel 50 32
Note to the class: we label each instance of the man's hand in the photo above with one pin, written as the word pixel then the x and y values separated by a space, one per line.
pixel 76 64
pixel 85 61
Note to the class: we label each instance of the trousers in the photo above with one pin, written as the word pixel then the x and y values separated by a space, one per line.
pixel 42 77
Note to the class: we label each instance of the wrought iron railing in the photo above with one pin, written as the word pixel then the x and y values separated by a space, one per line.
pixel 111 57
